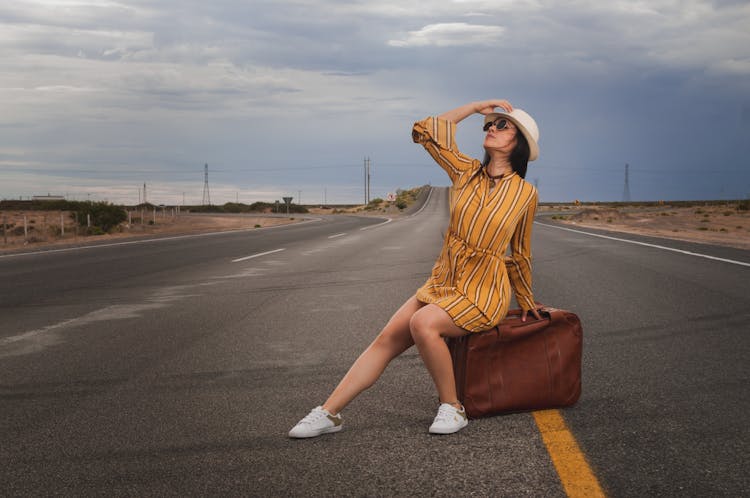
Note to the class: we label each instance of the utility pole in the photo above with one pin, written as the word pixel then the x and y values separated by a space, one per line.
pixel 206 193
pixel 626 191
pixel 144 193
pixel 367 180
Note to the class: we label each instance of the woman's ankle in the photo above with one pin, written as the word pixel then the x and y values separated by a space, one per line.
pixel 455 404
pixel 329 409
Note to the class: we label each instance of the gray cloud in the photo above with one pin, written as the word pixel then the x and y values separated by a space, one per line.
pixel 140 90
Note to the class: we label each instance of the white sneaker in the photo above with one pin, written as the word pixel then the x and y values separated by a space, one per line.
pixel 449 419
pixel 317 422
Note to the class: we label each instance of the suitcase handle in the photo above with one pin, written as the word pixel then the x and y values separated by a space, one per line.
pixel 512 328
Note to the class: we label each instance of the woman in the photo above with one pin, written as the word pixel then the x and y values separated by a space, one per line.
pixel 469 289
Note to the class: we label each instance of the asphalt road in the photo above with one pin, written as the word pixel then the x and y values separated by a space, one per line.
pixel 176 367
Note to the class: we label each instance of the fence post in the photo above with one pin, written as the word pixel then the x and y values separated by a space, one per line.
pixel 5 235
pixel 88 220
pixel 62 226
pixel 76 225
pixel 154 216
pixel 25 229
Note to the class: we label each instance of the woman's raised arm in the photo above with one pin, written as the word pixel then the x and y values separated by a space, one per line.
pixel 482 107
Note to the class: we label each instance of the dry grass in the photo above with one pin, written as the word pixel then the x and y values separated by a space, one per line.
pixel 43 227
pixel 711 224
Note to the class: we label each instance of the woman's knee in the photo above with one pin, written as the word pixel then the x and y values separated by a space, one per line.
pixel 423 325
pixel 433 322
pixel 394 338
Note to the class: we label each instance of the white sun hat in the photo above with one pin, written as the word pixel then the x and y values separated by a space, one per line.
pixel 525 123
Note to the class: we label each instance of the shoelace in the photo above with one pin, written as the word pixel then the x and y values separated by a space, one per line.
pixel 313 417
pixel 445 413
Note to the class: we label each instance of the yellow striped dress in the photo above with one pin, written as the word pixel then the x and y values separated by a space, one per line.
pixel 473 277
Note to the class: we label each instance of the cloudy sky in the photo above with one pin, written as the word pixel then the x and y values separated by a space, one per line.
pixel 287 97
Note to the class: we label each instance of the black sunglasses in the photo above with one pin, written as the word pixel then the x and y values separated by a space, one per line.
pixel 500 124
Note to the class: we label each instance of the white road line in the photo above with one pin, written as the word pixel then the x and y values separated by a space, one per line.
pixel 159 239
pixel 378 225
pixel 732 261
pixel 426 201
pixel 337 235
pixel 257 255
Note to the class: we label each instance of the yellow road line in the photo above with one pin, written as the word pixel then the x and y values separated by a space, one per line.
pixel 575 474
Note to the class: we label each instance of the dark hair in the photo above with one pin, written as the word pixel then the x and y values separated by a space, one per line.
pixel 519 156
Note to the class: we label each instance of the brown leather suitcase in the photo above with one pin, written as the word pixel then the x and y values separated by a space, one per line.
pixel 520 366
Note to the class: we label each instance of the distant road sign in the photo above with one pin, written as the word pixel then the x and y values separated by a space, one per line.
pixel 287 200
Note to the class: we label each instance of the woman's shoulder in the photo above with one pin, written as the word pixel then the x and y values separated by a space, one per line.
pixel 528 190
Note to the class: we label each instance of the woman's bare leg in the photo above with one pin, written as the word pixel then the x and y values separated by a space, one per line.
pixel 428 327
pixel 394 339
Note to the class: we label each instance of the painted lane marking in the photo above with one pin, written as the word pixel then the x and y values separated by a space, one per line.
pixel 378 225
pixel 689 253
pixel 575 474
pixel 160 239
pixel 426 201
pixel 337 235
pixel 257 255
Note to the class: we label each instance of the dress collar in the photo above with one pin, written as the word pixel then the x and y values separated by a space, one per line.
pixel 499 178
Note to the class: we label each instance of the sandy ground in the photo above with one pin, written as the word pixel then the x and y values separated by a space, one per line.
pixel 44 227
pixel 720 225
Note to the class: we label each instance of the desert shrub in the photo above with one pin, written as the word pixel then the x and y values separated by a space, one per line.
pixel 705 221
pixel 209 208
pixel 727 213
pixel 702 228
pixel 743 205
pixel 104 215
pixel 94 230
pixel 698 211
pixel 406 197
pixel 233 207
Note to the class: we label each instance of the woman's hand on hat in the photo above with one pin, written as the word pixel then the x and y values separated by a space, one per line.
pixel 488 106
